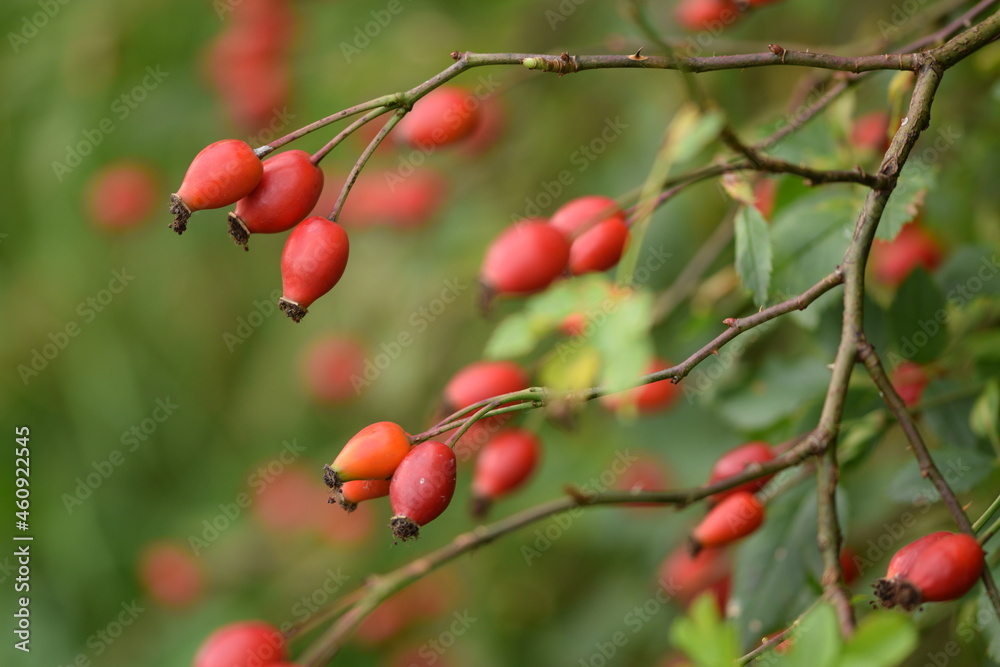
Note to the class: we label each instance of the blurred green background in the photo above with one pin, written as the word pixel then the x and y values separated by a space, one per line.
pixel 165 337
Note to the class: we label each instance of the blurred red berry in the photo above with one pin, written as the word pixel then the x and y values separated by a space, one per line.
pixel 481 380
pixel 242 644
pixel 736 461
pixel 526 258
pixel 595 227
pixel 686 577
pixel 647 398
pixel 733 518
pixel 504 465
pixel 764 192
pixel 333 368
pixel 171 574
pixel 121 195
pixel 909 380
pixel 871 132
pixel 892 261
pixel 443 116
pixel 705 14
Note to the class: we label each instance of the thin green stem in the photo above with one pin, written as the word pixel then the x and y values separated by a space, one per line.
pixel 987 515
pixel 469 421
pixel 988 533
pixel 350 129
pixel 362 160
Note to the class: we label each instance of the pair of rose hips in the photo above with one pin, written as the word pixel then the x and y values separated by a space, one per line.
pixel 271 196
pixel 585 235
pixel 420 479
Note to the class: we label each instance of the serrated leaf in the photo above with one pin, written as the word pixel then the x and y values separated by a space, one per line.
pixel 905 202
pixel 962 468
pixel 774 565
pixel 882 639
pixel 703 636
pixel 918 319
pixel 753 252
pixel 809 238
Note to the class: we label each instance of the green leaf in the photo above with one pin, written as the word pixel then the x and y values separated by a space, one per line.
pixel 906 200
pixel 816 641
pixel 690 131
pixel 985 416
pixel 918 319
pixel 780 388
pixel 883 639
pixel 774 566
pixel 985 621
pixel 703 636
pixel 753 252
pixel 622 338
pixel 520 333
pixel 950 419
pixel 962 468
pixel 809 238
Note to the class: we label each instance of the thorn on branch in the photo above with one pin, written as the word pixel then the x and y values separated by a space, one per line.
pixel 638 55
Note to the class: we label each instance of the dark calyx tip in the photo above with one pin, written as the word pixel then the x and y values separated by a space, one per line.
pixel 238 231
pixel 181 214
pixel 292 309
pixel 404 528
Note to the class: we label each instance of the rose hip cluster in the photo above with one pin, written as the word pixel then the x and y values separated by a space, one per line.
pixel 420 478
pixel 586 235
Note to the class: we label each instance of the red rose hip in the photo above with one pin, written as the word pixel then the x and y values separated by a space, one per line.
pixel 596 229
pixel 242 644
pixel 421 488
pixel 314 259
pixel 732 519
pixel 481 380
pixel 359 490
pixel 443 116
pixel 504 465
pixel 735 462
pixel 288 190
pixel 892 261
pixel 373 453
pixel 647 398
pixel 524 259
pixel 220 175
pixel 936 568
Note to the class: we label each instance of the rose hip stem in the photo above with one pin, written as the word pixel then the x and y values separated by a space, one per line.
pixel 359 165
pixel 350 129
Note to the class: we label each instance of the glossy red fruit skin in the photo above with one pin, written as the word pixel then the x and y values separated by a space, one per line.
pixel 909 380
pixel 121 195
pixel 601 245
pixel 705 14
pixel 648 398
pixel 242 644
pixel 312 262
pixel 504 465
pixel 333 369
pixel 421 488
pixel 735 462
pixel 443 116
pixel 733 518
pixel 892 261
pixel 221 174
pixel 902 561
pixel 687 576
pixel 526 258
pixel 374 452
pixel 936 568
pixel 288 190
pixel 484 379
